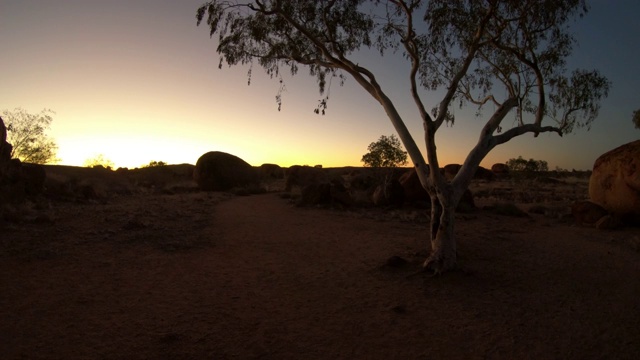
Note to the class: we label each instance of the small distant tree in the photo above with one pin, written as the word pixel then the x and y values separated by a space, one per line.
pixel 531 165
pixel 154 163
pixel 503 57
pixel 27 133
pixel 99 160
pixel 636 118
pixel 386 152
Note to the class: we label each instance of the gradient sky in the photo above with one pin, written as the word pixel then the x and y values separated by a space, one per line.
pixel 137 81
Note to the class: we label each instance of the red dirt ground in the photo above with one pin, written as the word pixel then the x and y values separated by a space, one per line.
pixel 208 276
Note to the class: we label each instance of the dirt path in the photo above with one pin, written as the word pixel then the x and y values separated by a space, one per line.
pixel 185 277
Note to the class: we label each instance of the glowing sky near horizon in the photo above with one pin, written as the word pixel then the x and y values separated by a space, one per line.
pixel 136 81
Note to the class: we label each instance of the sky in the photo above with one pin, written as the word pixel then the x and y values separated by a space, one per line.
pixel 137 81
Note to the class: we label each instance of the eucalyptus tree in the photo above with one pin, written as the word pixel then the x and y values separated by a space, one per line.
pixel 504 57
pixel 26 132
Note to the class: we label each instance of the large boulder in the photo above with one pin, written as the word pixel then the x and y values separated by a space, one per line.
pixel 361 185
pixel 414 192
pixel 587 212
pixel 467 203
pixel 339 193
pixel 219 171
pixel 484 174
pixel 271 171
pixel 500 170
pixel 315 194
pixel 331 193
pixel 615 182
pixel 451 170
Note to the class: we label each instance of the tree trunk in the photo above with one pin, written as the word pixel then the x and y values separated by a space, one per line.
pixel 443 244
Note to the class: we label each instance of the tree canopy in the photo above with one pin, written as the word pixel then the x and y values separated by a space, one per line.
pixel 504 57
pixel 386 152
pixel 636 119
pixel 27 133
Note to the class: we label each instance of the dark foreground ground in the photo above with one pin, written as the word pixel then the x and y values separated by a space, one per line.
pixel 209 276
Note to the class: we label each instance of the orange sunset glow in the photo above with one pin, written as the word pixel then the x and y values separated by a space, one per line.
pixel 138 81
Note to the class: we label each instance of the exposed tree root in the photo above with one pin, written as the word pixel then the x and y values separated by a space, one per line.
pixel 439 264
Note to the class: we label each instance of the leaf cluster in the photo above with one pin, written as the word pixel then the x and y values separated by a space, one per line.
pixel 483 52
pixel 513 49
pixel 286 34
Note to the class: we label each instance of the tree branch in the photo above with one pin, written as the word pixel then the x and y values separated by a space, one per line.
pixel 453 86
pixel 520 130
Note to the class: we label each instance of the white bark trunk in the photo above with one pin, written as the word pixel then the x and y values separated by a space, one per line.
pixel 443 255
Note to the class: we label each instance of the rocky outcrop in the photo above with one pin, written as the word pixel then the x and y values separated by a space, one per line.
pixel 219 171
pixel 333 193
pixel 271 171
pixel 484 174
pixel 615 182
pixel 501 170
pixel 587 212
pixel 467 203
pixel 451 170
pixel 303 176
pixel 414 192
pixel 361 185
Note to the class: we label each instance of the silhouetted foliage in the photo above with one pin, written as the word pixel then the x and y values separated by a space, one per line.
pixel 502 56
pixel 154 163
pixel 636 118
pixel 99 161
pixel 27 133
pixel 386 152
pixel 531 165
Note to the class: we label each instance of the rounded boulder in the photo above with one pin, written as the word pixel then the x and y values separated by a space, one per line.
pixel 219 171
pixel 500 169
pixel 615 182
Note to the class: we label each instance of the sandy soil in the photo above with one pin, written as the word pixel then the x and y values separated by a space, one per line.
pixel 213 276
